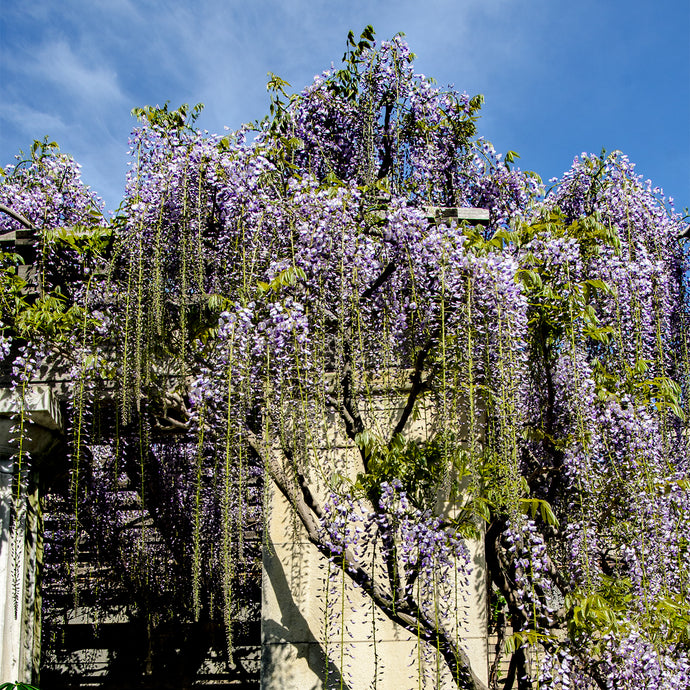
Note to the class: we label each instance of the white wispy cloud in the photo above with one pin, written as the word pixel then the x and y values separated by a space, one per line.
pixel 558 77
pixel 81 76
pixel 30 120
pixel 224 51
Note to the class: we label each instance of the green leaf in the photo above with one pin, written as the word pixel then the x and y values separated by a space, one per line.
pixel 532 506
pixel 510 158
pixel 524 638
pixel 599 284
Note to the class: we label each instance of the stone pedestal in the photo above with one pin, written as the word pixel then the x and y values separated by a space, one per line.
pixel 21 538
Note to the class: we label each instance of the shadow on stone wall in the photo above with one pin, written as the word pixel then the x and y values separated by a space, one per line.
pixel 278 643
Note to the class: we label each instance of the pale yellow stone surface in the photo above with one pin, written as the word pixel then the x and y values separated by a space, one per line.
pixel 314 627
pixel 389 666
pixel 300 642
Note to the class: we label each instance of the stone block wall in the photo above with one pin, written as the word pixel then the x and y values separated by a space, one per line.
pixel 316 628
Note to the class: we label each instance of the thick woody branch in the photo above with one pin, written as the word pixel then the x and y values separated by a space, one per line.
pixel 387 157
pixel 164 423
pixel 405 613
pixel 353 420
pixel 17 216
pixel 418 385
pixel 387 273
pixel 349 411
pixel 498 569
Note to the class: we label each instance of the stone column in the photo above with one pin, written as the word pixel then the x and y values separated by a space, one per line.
pixel 302 649
pixel 21 538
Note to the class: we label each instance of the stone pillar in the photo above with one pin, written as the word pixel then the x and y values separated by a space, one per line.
pixel 302 649
pixel 21 537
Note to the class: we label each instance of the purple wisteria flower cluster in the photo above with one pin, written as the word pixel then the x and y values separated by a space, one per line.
pixel 284 304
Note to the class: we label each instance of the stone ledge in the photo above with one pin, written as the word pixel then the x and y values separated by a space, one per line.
pixel 41 406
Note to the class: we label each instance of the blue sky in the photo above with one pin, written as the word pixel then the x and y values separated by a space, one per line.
pixel 559 77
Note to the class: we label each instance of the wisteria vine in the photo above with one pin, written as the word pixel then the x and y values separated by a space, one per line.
pixel 258 292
